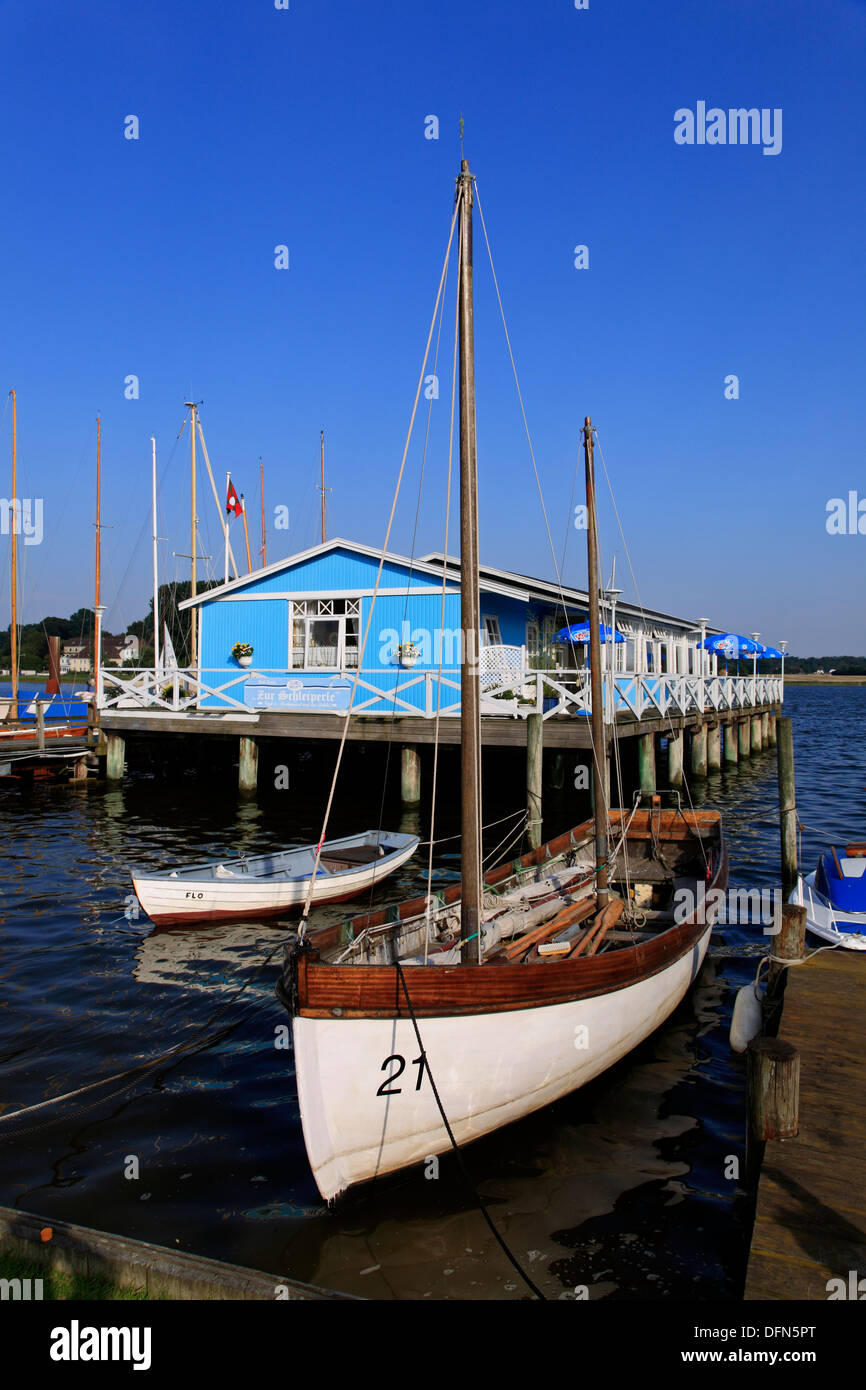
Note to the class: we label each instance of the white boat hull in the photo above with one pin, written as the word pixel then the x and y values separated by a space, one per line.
pixel 365 1115
pixel 173 901
pixel 845 929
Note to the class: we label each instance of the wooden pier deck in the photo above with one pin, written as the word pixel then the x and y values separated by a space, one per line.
pixel 810 1223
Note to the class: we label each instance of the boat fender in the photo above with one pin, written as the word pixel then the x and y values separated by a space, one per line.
pixel 746 1019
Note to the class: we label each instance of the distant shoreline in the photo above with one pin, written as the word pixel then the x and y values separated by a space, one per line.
pixel 824 680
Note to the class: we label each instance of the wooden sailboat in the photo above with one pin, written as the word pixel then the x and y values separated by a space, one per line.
pixel 431 1025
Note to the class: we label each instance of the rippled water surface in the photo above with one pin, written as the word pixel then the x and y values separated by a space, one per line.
pixel 621 1186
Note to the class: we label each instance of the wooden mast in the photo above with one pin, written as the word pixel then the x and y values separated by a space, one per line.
pixel 98 563
pixel 13 628
pixel 155 557
pixel 599 749
pixel 194 545
pixel 262 487
pixel 246 535
pixel 322 486
pixel 470 687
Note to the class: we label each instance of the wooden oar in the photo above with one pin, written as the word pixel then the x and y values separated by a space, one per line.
pixel 576 912
pixel 607 918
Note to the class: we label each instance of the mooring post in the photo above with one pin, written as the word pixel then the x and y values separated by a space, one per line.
pixel 115 757
pixel 534 754
pixel 248 765
pixel 557 772
pixel 675 758
pixel 40 724
pixel 699 751
pixel 756 733
pixel 772 730
pixel 787 806
pixel 714 748
pixel 765 730
pixel 731 743
pixel 410 775
pixel 788 944
pixel 774 1089
pixel 646 762
pixel 79 769
pixel 744 731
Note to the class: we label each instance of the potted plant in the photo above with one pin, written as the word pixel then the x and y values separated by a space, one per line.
pixel 408 654
pixel 242 653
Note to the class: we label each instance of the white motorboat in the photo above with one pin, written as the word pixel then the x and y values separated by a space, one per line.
pixel 834 897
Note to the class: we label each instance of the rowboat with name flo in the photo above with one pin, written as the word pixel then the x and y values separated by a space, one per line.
pixel 266 884
pixel 425 1026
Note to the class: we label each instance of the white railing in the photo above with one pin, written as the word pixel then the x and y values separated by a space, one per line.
pixel 508 691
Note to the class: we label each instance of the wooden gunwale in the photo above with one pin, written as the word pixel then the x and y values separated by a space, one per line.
pixel 376 991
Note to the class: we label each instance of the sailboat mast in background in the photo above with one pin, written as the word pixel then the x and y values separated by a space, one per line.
pixel 191 406
pixel 262 487
pixel 155 561
pixel 322 484
pixel 599 749
pixel 13 630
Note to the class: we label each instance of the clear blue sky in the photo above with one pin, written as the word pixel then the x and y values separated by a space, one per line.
pixel 306 127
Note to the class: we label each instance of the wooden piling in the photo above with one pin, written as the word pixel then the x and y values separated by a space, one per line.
pixel 787 805
pixel 771 724
pixel 699 751
pixel 744 732
pixel 675 759
pixel 755 722
pixel 714 748
pixel 774 1089
pixel 731 743
pixel 248 765
pixel 789 944
pixel 115 757
pixel 40 724
pixel 79 770
pixel 646 762
pixel 557 772
pixel 534 753
pixel 410 774
pixel 765 730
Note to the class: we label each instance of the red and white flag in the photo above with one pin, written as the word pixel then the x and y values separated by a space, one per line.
pixel 233 502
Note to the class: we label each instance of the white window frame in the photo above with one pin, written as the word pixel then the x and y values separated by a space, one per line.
pixel 492 631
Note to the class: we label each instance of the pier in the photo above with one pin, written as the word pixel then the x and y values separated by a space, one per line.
pixel 810 1222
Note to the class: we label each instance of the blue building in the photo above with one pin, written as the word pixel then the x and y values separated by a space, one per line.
pixel 308 619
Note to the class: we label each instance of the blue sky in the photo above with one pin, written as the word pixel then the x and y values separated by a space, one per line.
pixel 306 127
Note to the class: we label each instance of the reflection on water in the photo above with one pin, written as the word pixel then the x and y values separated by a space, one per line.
pixel 620 1187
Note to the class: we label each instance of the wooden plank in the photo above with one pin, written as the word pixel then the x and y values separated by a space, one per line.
pixel 810 1218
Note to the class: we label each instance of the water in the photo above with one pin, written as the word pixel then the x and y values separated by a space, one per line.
pixel 624 1187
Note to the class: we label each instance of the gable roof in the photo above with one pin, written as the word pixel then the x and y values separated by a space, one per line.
pixel 490 585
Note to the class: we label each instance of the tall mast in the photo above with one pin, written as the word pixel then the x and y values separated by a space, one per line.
pixel 155 562
pixel 13 630
pixel 246 535
pixel 262 486
pixel 194 545
pixel 470 688
pixel 599 749
pixel 322 487
pixel 98 529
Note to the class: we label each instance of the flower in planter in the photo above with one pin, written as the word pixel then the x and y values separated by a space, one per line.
pixel 241 649
pixel 408 652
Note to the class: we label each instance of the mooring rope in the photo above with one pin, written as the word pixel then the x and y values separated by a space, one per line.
pixel 425 1066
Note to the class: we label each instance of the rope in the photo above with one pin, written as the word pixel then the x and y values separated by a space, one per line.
pixel 425 1065
pixel 309 896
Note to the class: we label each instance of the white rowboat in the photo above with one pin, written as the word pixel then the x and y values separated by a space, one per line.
pixel 271 883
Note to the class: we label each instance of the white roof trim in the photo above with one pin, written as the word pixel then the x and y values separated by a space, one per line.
pixel 419 566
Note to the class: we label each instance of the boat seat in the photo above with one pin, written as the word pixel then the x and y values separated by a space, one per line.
pixel 359 854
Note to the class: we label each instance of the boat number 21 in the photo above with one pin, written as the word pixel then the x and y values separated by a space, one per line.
pixel 387 1089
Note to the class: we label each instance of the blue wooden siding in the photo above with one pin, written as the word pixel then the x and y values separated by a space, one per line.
pixel 339 570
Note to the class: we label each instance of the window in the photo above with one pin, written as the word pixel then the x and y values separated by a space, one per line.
pixel 532 642
pixel 325 633
pixel 492 635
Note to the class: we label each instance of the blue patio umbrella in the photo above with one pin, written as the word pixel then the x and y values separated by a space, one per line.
pixel 579 632
pixel 731 645
pixel 770 654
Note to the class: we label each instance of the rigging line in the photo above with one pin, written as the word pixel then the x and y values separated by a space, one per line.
pixel 309 895
pixel 482 1207
pixel 446 839
pixel 436 727
pixel 393 719
pixel 596 757
pixel 644 616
